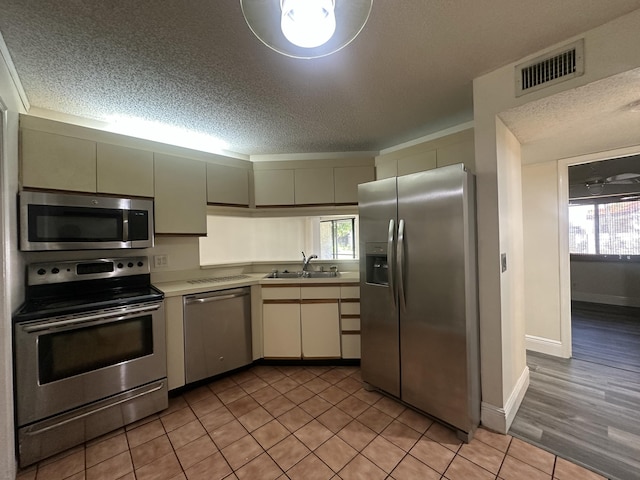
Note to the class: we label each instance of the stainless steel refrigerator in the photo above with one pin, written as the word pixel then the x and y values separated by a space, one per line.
pixel 418 293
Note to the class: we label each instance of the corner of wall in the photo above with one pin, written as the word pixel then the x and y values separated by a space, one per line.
pixel 499 419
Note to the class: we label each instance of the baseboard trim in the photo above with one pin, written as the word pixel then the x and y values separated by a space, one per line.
pixel 544 345
pixel 499 419
pixel 605 299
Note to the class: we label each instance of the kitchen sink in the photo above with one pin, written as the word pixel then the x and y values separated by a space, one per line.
pixel 301 274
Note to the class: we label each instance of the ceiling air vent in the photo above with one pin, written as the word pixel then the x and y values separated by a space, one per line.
pixel 554 67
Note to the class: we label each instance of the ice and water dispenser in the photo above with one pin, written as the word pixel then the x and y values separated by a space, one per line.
pixel 377 267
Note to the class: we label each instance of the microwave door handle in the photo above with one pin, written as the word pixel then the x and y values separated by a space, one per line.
pixel 125 225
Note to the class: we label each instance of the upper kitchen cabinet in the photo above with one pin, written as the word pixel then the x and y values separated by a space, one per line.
pixel 346 181
pixel 312 181
pixel 57 162
pixel 227 185
pixel 274 187
pixel 314 186
pixel 438 152
pixel 180 195
pixel 124 171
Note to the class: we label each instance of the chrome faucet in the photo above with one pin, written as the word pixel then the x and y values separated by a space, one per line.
pixel 306 260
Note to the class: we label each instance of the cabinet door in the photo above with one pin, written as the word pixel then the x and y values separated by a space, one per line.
pixel 175 342
pixel 124 170
pixel 320 329
pixel 57 162
pixel 227 185
pixel 180 195
pixel 346 181
pixel 274 187
pixel 314 186
pixel 281 330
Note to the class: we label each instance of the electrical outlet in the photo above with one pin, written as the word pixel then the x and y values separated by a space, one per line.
pixel 160 261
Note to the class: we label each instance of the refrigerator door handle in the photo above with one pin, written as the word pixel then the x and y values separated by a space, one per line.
pixel 391 260
pixel 401 265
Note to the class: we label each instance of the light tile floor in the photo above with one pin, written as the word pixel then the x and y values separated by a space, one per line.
pixel 311 423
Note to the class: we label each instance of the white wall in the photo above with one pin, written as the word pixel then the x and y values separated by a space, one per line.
pixel 511 244
pixel 248 239
pixel 541 252
pixel 611 283
pixel 11 291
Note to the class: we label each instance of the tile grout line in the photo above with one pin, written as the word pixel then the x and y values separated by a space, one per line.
pixel 269 383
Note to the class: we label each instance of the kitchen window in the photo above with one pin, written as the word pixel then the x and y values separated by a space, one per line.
pixel 338 238
pixel 605 226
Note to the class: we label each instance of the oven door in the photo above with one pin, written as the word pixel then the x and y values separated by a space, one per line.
pixel 63 363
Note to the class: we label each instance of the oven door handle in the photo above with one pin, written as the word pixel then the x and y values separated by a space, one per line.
pixel 93 319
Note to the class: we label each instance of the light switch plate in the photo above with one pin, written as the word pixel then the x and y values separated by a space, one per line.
pixel 503 262
pixel 160 261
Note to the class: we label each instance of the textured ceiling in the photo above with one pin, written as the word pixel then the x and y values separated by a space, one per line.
pixel 196 65
pixel 601 109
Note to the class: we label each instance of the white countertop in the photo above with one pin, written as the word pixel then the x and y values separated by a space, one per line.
pixel 209 284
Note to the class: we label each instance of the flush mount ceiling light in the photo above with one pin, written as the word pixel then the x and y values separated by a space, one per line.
pixel 306 28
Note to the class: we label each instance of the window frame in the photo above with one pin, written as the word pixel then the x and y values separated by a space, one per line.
pixel 334 237
pixel 596 202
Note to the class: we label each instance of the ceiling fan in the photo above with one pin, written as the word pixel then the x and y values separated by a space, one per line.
pixel 595 186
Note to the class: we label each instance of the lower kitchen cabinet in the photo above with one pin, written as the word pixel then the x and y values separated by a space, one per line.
pixel 350 345
pixel 174 317
pixel 281 330
pixel 320 329
pixel 350 321
pixel 301 322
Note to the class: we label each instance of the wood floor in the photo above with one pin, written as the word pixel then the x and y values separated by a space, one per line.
pixel 587 409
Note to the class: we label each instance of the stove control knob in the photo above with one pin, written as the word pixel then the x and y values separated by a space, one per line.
pixel 120 265
pixel 140 264
pixel 130 264
pixel 41 271
pixel 55 270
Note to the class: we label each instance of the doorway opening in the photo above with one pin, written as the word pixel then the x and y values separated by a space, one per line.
pixel 584 408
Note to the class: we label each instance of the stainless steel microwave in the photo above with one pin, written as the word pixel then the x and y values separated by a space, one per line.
pixel 59 221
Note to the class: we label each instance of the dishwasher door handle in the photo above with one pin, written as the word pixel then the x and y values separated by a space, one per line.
pixel 213 298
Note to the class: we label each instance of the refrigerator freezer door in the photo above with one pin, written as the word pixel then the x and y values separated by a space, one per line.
pixel 437 294
pixel 380 364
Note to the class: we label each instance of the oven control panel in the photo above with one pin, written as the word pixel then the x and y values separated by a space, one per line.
pixel 71 271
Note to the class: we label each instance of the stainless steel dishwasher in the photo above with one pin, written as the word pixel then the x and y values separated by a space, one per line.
pixel 217 332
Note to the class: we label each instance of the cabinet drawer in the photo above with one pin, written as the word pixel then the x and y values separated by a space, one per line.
pixel 350 324
pixel 280 293
pixel 307 293
pixel 350 346
pixel 350 291
pixel 349 308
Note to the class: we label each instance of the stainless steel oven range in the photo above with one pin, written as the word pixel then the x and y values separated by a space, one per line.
pixel 89 352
